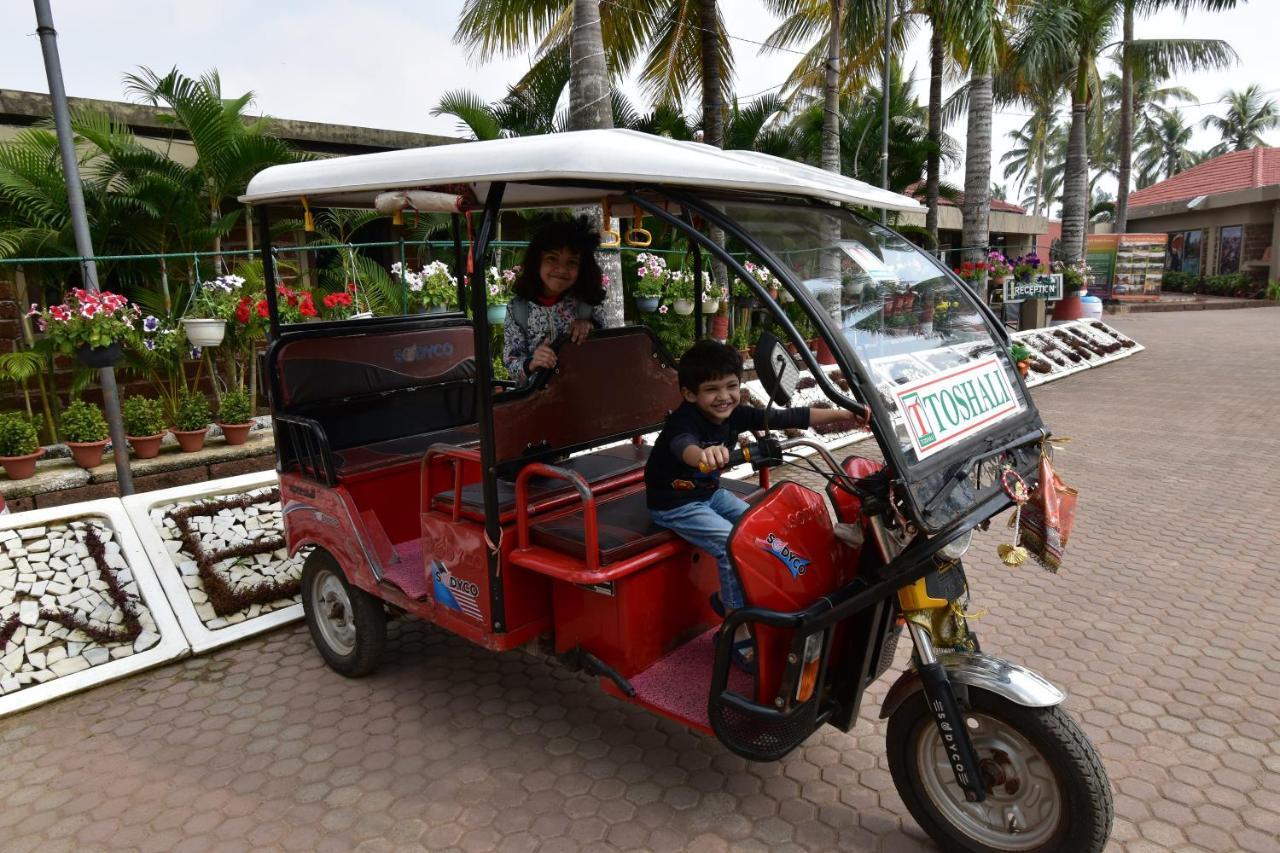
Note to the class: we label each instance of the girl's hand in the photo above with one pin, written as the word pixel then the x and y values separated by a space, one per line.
pixel 543 356
pixel 581 328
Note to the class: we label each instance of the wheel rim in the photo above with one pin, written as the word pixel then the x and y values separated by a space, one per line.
pixel 1024 804
pixel 332 608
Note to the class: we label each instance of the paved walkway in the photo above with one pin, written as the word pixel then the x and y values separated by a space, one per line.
pixel 1162 629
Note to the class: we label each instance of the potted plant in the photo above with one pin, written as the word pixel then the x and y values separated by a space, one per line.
pixel 434 287
pixel 191 421
pixel 214 303
pixel 338 305
pixel 1025 266
pixel 652 274
pixel 235 416
pixel 1021 358
pixel 499 284
pixel 19 445
pixel 143 425
pixel 681 292
pixel 84 429
pixel 88 325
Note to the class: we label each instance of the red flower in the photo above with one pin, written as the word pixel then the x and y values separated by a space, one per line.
pixel 242 311
pixel 307 308
pixel 331 300
pixel 262 308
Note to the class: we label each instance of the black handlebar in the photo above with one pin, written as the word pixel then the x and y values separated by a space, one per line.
pixel 761 454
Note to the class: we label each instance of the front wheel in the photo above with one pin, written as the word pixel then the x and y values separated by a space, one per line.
pixel 1046 787
pixel 348 625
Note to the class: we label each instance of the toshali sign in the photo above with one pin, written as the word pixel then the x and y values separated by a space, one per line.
pixel 943 409
pixel 1041 287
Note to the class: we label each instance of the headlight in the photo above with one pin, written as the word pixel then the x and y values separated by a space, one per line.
pixel 955 549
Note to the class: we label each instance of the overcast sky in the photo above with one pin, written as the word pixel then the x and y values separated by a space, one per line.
pixel 386 64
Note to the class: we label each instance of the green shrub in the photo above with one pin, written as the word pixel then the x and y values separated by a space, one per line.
pixel 17 435
pixel 235 407
pixel 192 412
pixel 142 416
pixel 1273 291
pixel 1176 280
pixel 83 421
pixel 1229 284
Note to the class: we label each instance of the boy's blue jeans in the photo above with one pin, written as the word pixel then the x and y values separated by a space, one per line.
pixel 707 525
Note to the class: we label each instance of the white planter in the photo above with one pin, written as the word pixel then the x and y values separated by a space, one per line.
pixel 682 306
pixel 203 332
pixel 710 306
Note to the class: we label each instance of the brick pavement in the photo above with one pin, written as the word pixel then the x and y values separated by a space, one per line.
pixel 1160 628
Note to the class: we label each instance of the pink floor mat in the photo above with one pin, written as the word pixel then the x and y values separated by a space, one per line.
pixel 409 573
pixel 680 683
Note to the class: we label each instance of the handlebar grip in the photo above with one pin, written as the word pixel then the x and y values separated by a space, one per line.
pixel 736 457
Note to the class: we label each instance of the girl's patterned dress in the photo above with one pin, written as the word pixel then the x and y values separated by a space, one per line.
pixel 546 323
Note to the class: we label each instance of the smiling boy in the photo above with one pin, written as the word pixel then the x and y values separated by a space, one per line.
pixel 700 432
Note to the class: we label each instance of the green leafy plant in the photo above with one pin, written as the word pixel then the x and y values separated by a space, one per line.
pixel 235 407
pixel 651 275
pixel 1273 291
pixel 142 416
pixel 1019 352
pixel 1176 280
pixel 192 412
pixel 17 435
pixel 83 421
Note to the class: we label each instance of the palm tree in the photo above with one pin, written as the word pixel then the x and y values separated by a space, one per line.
pixel 1133 67
pixel 1032 161
pixel 1248 116
pixel 1164 151
pixel 981 39
pixel 1071 36
pixel 230 146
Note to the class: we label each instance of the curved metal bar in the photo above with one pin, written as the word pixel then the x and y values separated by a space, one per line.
pixel 590 529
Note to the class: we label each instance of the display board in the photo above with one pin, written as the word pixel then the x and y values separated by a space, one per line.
pixel 1127 267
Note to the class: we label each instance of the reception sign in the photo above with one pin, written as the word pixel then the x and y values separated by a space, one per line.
pixel 1047 287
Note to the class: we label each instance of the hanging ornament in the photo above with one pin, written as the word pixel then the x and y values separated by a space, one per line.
pixel 1016 488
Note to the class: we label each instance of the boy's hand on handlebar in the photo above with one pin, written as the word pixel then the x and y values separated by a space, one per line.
pixel 543 356
pixel 580 330
pixel 825 416
pixel 711 458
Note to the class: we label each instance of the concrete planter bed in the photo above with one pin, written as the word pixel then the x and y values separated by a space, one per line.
pixel 218 550
pixel 79 604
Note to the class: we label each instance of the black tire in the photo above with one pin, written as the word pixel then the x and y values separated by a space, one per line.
pixel 348 626
pixel 1060 755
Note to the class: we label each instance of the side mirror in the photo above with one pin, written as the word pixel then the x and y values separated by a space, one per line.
pixel 776 369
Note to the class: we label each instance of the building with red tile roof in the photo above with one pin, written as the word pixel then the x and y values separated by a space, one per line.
pixel 1011 228
pixel 1222 216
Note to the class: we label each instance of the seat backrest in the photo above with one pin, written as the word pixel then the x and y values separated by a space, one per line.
pixel 616 384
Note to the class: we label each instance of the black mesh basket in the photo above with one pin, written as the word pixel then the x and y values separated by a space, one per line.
pixel 758 733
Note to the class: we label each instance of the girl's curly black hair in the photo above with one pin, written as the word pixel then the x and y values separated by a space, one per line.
pixel 578 235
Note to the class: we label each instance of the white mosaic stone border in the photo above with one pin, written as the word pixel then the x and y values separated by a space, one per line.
pixel 138 580
pixel 172 576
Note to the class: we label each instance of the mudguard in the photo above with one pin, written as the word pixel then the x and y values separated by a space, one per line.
pixel 1013 682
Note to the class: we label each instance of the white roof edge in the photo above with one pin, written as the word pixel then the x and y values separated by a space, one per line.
pixel 606 156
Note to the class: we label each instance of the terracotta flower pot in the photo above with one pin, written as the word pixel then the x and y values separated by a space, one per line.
pixel 145 446
pixel 21 467
pixel 190 440
pixel 236 433
pixel 824 353
pixel 88 454
pixel 1024 367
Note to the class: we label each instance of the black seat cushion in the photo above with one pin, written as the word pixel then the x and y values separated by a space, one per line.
pixel 397 450
pixel 603 464
pixel 624 525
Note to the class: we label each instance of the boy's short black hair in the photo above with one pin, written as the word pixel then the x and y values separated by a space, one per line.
pixel 706 361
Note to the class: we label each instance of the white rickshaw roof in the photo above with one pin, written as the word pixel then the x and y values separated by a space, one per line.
pixel 599 156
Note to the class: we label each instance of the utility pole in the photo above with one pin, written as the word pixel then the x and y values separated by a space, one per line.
pixel 884 96
pixel 80 226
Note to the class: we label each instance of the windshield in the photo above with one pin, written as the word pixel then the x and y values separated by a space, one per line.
pixel 919 336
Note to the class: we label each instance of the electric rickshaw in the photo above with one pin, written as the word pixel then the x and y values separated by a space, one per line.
pixel 515 516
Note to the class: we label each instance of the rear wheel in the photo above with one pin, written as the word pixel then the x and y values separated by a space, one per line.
pixel 348 625
pixel 1046 787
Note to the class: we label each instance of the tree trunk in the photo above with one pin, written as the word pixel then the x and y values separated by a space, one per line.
pixel 933 165
pixel 712 120
pixel 590 109
pixel 977 169
pixel 1075 179
pixel 1126 123
pixel 831 96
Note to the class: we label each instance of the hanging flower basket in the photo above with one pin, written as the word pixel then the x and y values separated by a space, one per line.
pixel 710 306
pixel 683 306
pixel 99 357
pixel 647 304
pixel 496 314
pixel 204 332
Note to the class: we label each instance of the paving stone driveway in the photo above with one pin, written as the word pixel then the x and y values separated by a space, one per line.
pixel 1161 628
